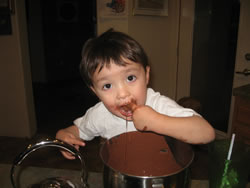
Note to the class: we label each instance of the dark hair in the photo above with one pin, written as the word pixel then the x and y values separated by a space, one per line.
pixel 110 46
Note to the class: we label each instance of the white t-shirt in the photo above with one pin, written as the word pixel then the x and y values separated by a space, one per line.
pixel 98 121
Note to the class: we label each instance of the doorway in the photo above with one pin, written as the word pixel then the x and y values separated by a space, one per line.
pixel 213 58
pixel 57 31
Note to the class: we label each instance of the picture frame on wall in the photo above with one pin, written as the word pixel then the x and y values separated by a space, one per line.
pixel 112 9
pixel 150 8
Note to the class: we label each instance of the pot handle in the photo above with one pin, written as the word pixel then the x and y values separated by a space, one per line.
pixel 49 143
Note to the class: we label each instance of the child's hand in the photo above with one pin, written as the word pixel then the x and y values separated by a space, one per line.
pixel 142 116
pixel 70 135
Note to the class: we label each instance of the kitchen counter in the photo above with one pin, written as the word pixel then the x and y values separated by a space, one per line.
pixel 32 175
pixel 242 91
pixel 35 174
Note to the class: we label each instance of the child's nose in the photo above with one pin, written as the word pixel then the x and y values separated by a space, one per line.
pixel 122 93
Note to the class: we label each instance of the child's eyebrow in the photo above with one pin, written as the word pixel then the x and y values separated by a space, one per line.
pixel 127 69
pixel 103 78
pixel 130 69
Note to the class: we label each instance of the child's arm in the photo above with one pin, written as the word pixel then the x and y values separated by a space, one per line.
pixel 70 135
pixel 193 130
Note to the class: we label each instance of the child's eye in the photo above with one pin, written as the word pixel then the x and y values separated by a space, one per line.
pixel 131 78
pixel 107 86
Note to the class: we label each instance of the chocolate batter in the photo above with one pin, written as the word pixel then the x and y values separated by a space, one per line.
pixel 140 154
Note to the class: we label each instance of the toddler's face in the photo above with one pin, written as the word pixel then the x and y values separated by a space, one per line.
pixel 117 86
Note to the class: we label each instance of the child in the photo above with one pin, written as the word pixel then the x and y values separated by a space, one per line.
pixel 115 67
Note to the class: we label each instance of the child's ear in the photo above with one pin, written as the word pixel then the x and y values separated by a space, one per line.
pixel 147 74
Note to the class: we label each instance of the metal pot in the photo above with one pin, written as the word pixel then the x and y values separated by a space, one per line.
pixel 59 182
pixel 117 178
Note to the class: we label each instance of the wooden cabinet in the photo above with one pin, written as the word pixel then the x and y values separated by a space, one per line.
pixel 241 119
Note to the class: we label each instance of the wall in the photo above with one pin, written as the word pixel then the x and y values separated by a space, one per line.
pixel 16 108
pixel 159 37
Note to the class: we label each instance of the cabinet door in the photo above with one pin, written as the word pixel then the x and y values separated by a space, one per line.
pixel 241 119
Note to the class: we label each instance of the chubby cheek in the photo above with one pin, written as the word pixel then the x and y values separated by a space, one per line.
pixel 141 97
pixel 141 101
pixel 111 107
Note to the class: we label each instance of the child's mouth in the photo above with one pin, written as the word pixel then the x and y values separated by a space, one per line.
pixel 127 109
pixel 124 110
